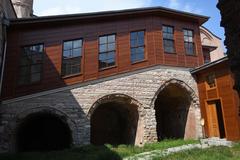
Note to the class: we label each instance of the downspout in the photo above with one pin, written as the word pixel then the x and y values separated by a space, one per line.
pixel 5 23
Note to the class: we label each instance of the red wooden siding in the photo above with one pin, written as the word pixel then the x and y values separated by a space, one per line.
pixel 53 36
pixel 223 92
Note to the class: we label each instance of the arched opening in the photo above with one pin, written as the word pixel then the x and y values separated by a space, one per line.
pixel 172 109
pixel 114 123
pixel 43 132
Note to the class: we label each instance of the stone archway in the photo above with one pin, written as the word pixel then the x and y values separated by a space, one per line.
pixel 115 120
pixel 43 129
pixel 175 112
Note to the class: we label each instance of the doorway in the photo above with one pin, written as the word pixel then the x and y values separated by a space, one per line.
pixel 215 120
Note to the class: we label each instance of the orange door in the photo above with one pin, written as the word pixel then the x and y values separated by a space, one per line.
pixel 213 125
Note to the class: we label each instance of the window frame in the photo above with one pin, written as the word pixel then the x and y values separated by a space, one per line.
pixel 187 42
pixel 167 39
pixel 107 52
pixel 208 85
pixel 138 46
pixel 30 66
pixel 81 57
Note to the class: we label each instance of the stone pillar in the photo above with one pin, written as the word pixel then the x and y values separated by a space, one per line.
pixel 230 11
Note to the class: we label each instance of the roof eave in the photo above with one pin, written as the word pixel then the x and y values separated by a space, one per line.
pixel 83 16
pixel 208 65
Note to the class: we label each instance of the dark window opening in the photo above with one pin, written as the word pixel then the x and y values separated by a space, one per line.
pixel 189 42
pixel 72 57
pixel 168 39
pixel 31 63
pixel 206 55
pixel 137 46
pixel 107 51
pixel 211 80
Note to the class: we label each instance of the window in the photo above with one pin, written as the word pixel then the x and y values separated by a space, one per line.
pixel 107 51
pixel 211 81
pixel 137 46
pixel 168 39
pixel 188 42
pixel 31 63
pixel 72 57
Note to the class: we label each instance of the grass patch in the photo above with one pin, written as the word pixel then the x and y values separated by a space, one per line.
pixel 126 151
pixel 91 152
pixel 214 153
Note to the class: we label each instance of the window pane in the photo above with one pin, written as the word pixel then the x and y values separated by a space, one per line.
pixel 102 56
pixel 141 34
pixel 170 29
pixel 103 48
pixel 139 56
pixel 24 70
pixel 22 80
pixel 75 69
pixel 35 77
pixel 76 52
pixel 190 33
pixel 103 40
pixel 111 47
pixel 140 41
pixel 67 54
pixel 165 29
pixel 30 64
pixel 133 35
pixel 133 51
pixel 189 47
pixel 140 50
pixel 111 39
pixel 77 43
pixel 133 43
pixel 111 55
pixel 36 59
pixel 111 62
pixel 37 49
pixel 25 61
pixel 68 45
pixel 36 68
pixel 190 39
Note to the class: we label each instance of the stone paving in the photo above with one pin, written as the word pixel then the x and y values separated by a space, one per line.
pixel 204 143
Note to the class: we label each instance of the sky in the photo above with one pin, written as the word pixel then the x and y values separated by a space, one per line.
pixel 203 7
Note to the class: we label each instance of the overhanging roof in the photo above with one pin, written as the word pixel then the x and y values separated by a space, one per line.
pixel 107 14
pixel 208 65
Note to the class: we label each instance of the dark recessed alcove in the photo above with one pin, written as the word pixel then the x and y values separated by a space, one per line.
pixel 172 107
pixel 114 123
pixel 43 132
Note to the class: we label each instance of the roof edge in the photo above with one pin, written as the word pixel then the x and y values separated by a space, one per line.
pixel 202 19
pixel 208 65
pixel 211 32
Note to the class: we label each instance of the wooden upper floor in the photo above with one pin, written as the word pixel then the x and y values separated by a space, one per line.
pixel 50 52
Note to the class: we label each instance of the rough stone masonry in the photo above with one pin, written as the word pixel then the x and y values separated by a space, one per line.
pixel 75 104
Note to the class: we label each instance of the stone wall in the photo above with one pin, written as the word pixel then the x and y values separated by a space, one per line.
pixel 75 104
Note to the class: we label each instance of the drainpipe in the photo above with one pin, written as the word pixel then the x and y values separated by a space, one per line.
pixel 5 23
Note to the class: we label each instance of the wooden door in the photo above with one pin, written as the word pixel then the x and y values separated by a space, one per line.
pixel 213 125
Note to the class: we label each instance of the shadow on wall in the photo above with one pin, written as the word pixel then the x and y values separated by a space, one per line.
pixel 57 121
pixel 50 122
